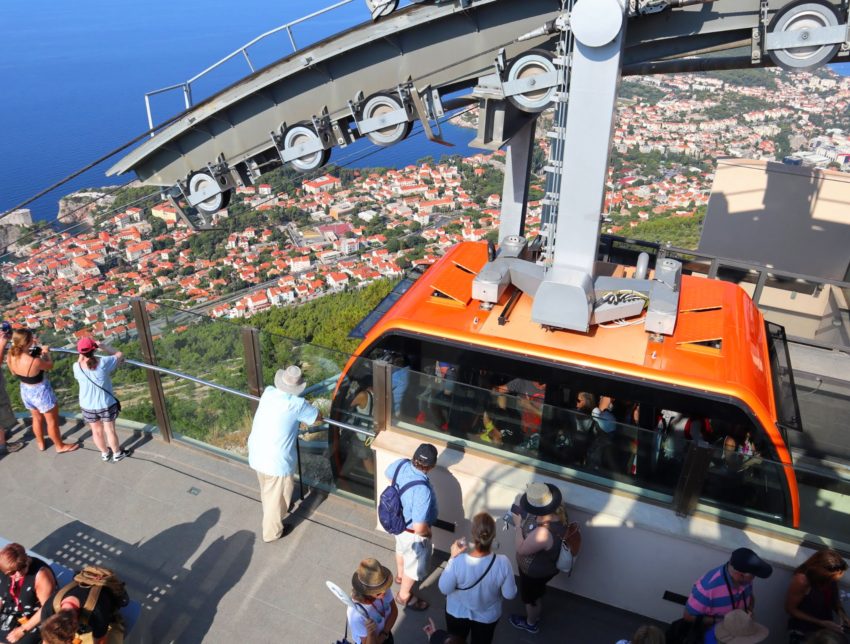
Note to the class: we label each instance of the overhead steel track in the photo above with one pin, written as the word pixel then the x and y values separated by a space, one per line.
pixel 297 109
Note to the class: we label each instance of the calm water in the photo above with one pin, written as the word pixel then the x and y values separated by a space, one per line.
pixel 73 76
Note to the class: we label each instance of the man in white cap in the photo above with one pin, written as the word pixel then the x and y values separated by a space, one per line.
pixel 272 445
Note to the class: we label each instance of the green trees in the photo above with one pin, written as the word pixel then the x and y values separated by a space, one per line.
pixel 683 232
pixel 314 334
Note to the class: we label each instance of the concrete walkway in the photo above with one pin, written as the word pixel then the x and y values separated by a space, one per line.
pixel 181 527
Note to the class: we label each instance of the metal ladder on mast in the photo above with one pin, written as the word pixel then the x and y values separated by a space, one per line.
pixel 557 138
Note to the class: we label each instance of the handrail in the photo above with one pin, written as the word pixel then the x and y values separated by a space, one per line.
pixel 227 390
pixel 717 261
pixel 186 86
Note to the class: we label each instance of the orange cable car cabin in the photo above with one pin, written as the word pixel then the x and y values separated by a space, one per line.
pixel 614 405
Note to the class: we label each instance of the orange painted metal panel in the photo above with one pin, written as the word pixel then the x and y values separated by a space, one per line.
pixel 710 310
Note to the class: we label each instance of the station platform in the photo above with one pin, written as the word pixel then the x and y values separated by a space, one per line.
pixel 181 526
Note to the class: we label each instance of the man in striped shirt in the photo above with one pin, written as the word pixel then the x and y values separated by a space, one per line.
pixel 727 587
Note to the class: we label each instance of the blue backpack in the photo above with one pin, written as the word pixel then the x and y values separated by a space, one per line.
pixel 390 512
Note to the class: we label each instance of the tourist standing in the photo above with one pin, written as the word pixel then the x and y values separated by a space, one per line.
pixel 813 600
pixel 475 581
pixel 540 523
pixel 98 403
pixel 413 546
pixel 372 618
pixel 273 445
pixel 30 363
pixel 726 588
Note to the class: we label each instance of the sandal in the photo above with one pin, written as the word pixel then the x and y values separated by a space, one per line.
pixel 414 603
pixel 68 447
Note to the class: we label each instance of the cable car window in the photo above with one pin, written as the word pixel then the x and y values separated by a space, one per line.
pixel 597 424
pixel 784 391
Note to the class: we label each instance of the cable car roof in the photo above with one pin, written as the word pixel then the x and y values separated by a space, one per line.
pixel 719 344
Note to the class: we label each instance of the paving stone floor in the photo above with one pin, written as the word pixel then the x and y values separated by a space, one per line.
pixel 181 527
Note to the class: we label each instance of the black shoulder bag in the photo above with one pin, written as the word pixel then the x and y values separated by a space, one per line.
pixel 490 565
pixel 117 402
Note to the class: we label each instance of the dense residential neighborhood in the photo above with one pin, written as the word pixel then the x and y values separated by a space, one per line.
pixel 345 228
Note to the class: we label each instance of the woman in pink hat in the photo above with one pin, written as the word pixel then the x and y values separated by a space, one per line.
pixel 99 405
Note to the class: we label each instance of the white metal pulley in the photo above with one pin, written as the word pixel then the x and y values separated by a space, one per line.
pixel 595 23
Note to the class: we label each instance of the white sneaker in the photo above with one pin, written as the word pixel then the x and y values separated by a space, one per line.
pixel 119 455
pixel 104 456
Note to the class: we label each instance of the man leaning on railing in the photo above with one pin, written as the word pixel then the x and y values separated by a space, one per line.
pixel 273 444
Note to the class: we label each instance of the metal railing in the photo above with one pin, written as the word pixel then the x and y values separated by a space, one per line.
pixel 620 250
pixel 186 86
pixel 762 276
pixel 229 390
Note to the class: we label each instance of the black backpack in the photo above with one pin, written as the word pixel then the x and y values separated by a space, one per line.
pixel 390 512
pixel 684 632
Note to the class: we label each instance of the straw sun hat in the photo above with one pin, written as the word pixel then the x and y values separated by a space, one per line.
pixel 738 627
pixel 371 578
pixel 540 499
pixel 290 380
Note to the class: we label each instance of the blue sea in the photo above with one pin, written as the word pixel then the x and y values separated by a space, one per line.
pixel 73 77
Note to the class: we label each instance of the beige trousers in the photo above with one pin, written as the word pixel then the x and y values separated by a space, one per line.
pixel 276 494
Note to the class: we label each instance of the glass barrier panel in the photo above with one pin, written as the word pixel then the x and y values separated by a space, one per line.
pixel 824 501
pixel 742 481
pixel 337 460
pixel 208 415
pixel 512 417
pixel 317 363
pixel 197 345
pixel 351 459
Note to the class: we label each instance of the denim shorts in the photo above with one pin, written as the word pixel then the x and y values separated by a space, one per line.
pixel 95 416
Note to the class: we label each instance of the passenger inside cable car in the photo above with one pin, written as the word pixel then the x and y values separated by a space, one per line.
pixel 553 414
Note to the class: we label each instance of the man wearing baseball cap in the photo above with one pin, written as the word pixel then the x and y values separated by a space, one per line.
pixel 413 547
pixel 726 588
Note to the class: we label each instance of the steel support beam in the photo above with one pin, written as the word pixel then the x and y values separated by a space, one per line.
pixel 691 479
pixel 565 298
pixel 143 327
pixel 382 391
pixel 253 363
pixel 517 176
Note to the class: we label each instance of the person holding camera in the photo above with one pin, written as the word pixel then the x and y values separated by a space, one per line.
pixel 813 599
pixel 30 363
pixel 99 405
pixel 8 421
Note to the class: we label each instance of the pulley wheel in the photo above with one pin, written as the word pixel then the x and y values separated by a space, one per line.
pixel 378 105
pixel 801 17
pixel 200 182
pixel 299 134
pixel 526 67
pixel 381 8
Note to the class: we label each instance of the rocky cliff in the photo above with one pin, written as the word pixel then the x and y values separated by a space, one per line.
pixel 13 225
